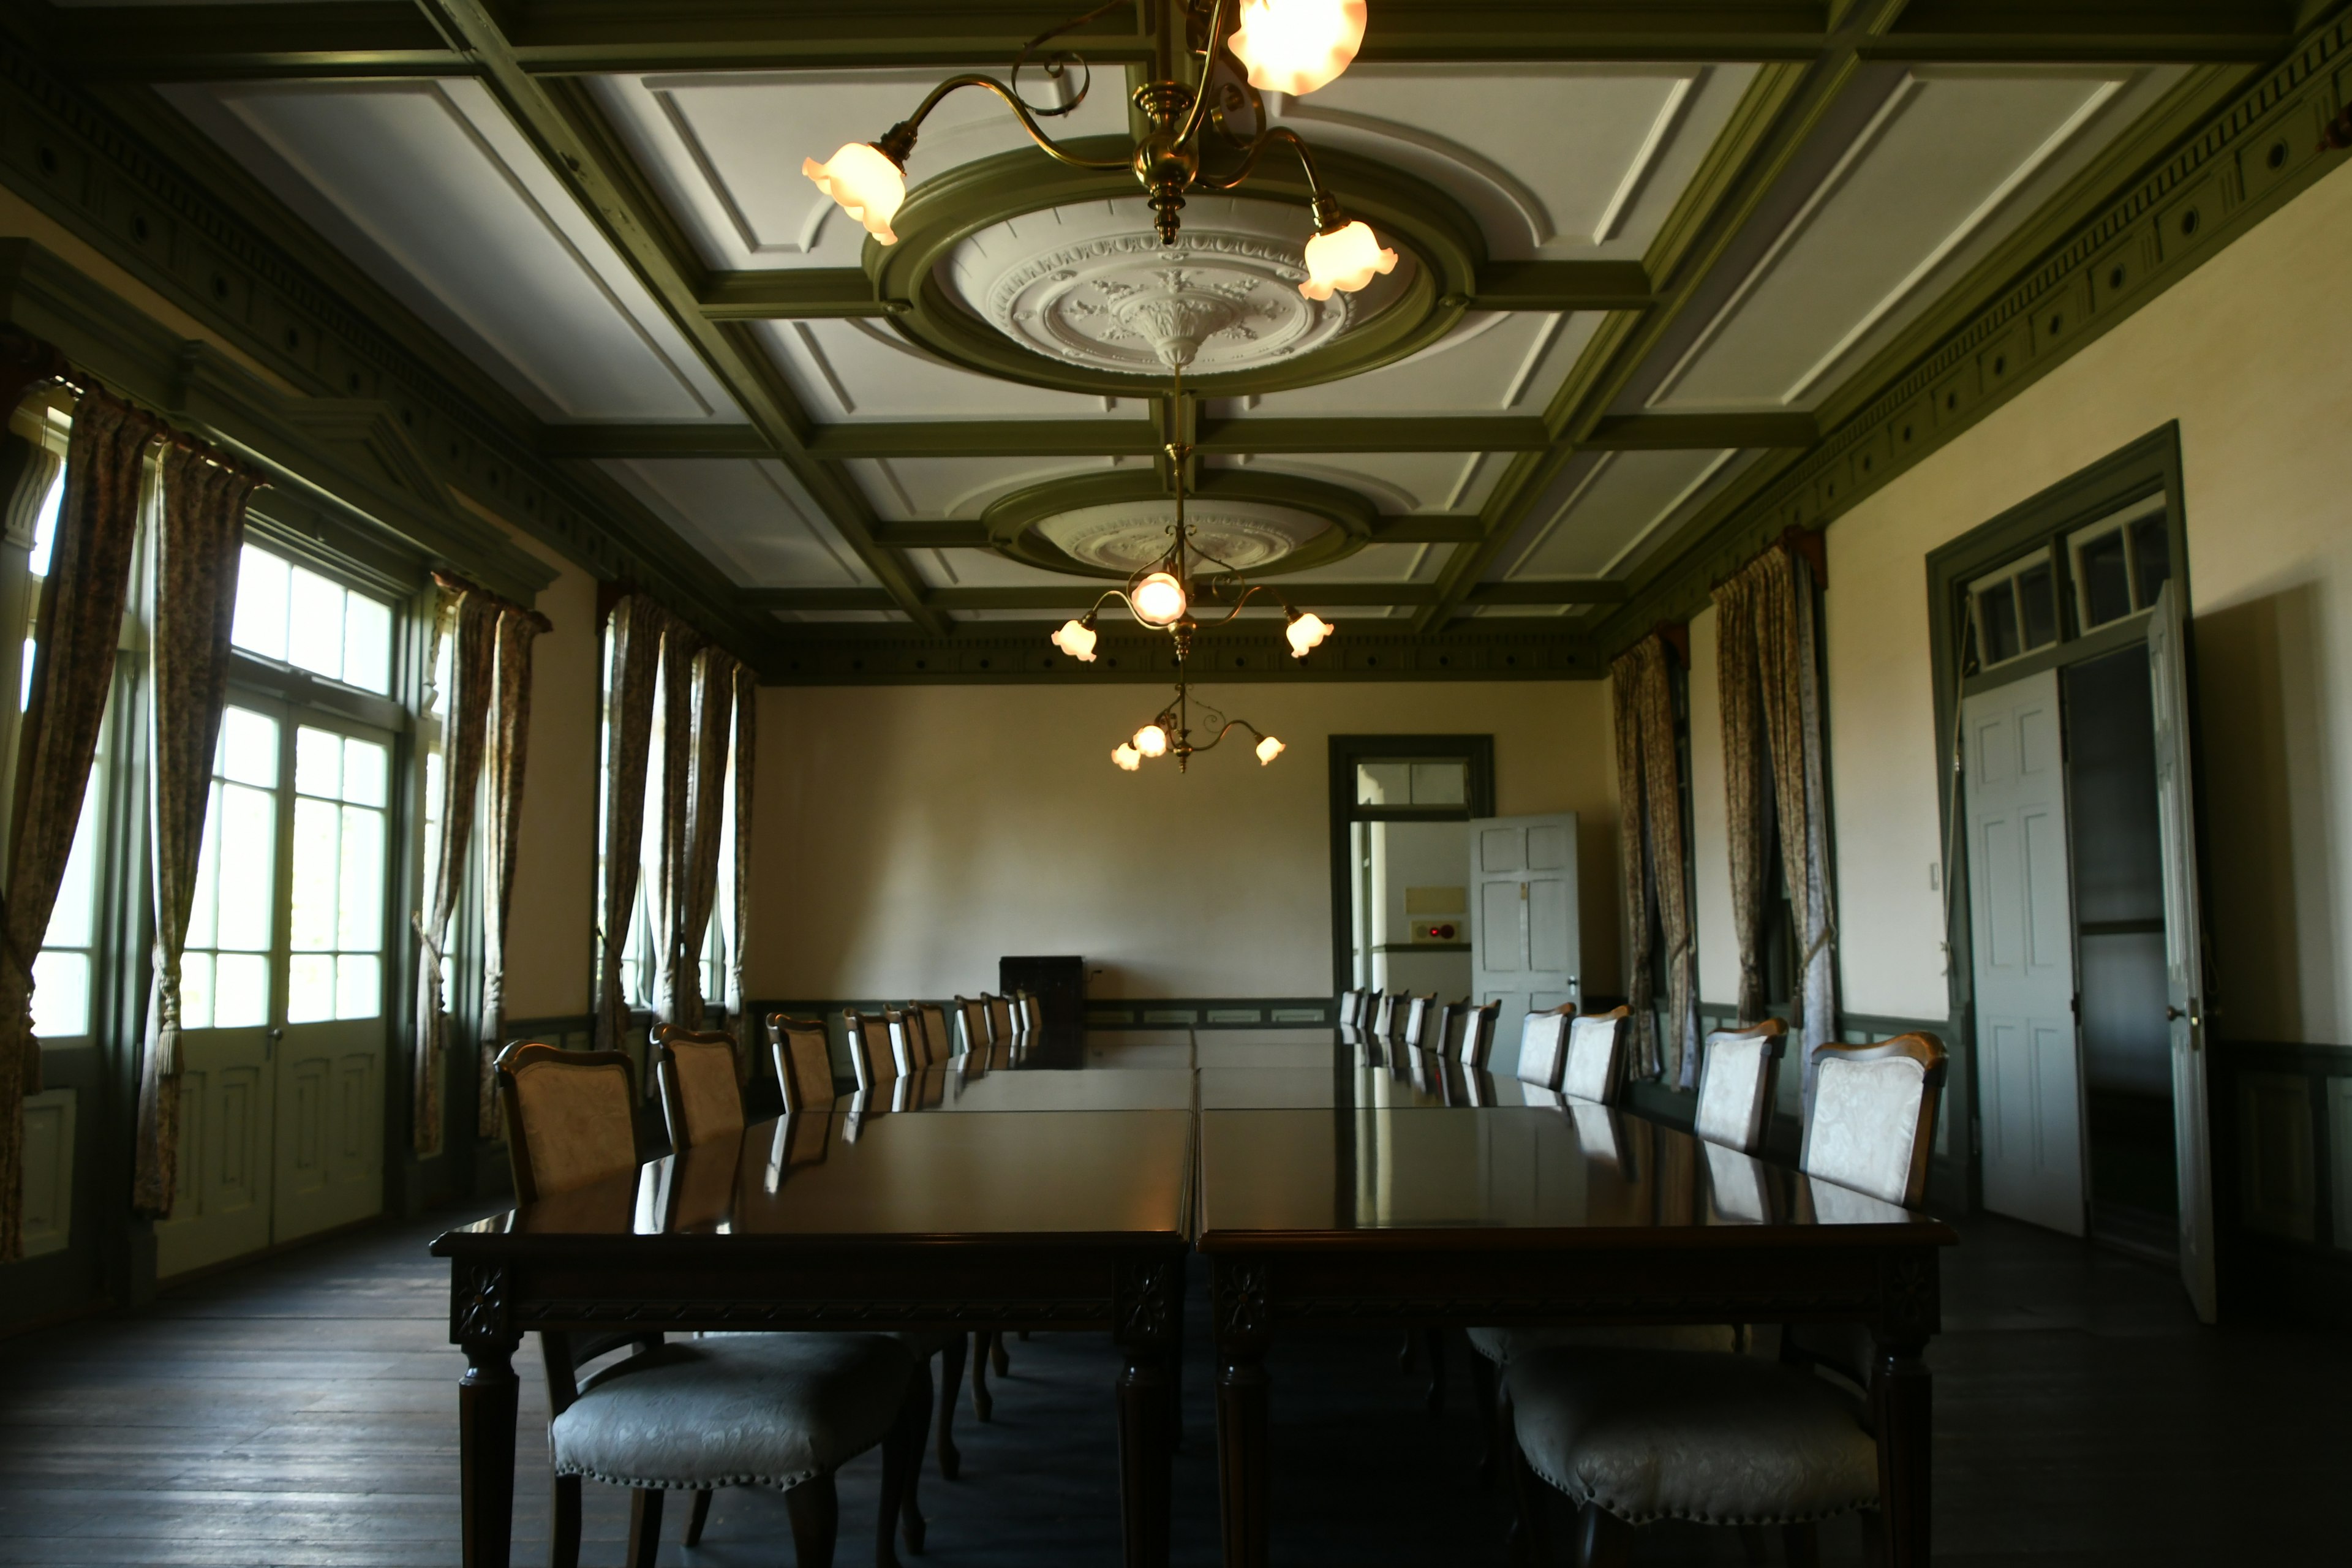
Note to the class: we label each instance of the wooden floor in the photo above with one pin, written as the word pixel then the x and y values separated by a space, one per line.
pixel 303 1411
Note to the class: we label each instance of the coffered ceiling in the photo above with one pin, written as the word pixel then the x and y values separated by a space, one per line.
pixel 1651 255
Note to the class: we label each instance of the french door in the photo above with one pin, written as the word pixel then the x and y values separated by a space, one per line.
pixel 282 987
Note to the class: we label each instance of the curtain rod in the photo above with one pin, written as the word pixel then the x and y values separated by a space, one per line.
pixel 457 584
pixel 1812 544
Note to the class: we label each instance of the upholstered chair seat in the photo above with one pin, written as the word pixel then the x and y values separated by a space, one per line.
pixel 1646 1435
pixel 1500 1346
pixel 734 1410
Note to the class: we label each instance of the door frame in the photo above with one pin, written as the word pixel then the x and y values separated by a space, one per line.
pixel 2146 468
pixel 1346 751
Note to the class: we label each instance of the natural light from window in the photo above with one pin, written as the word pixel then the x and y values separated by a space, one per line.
pixel 298 616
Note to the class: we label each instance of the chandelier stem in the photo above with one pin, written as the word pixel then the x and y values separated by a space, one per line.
pixel 897 144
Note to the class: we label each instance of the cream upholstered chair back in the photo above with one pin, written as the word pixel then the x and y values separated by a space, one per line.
pixel 1032 1013
pixel 1384 1020
pixel 1736 1072
pixel 571 1117
pixel 972 1018
pixel 702 1101
pixel 938 1044
pixel 904 1033
pixel 1453 1028
pixel 1543 1048
pixel 872 1053
pixel 1872 1116
pixel 1420 1015
pixel 1478 1040
pixel 1349 1013
pixel 1595 1067
pixel 1000 1018
pixel 804 1059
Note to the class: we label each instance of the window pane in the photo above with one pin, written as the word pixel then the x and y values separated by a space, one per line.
pixel 314 624
pixel 61 995
pixel 241 990
pixel 1383 784
pixel 359 986
pixel 360 917
pixel 318 762
pixel 2151 558
pixel 310 987
pixel 248 819
pixel 2037 598
pixel 45 526
pixel 201 923
pixel 24 684
pixel 1997 622
pixel 2107 596
pixel 365 764
pixel 318 843
pixel 367 643
pixel 260 625
pixel 72 917
pixel 249 748
pixel 196 991
pixel 1441 783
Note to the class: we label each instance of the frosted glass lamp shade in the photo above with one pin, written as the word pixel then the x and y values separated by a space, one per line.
pixel 1268 748
pixel 1343 261
pixel 866 183
pixel 1128 758
pixel 1158 600
pixel 1077 639
pixel 1151 740
pixel 1297 46
pixel 1305 631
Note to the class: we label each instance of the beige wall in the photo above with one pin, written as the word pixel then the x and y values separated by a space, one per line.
pixel 906 837
pixel 2253 355
pixel 555 861
pixel 1718 938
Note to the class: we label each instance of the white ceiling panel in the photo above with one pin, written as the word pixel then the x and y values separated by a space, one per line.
pixel 431 188
pixel 845 371
pixel 1954 160
pixel 906 489
pixel 1554 160
pixel 985 569
pixel 1495 361
pixel 1395 482
pixel 748 516
pixel 1612 507
pixel 1378 563
pixel 726 148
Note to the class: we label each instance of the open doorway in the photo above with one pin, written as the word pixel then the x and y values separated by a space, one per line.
pixel 1401 813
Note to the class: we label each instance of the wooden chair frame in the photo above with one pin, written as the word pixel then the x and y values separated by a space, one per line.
pixel 522 1054
pixel 1774 1033
pixel 1478 1042
pixel 1614 1087
pixel 666 1075
pixel 799 1096
pixel 875 1061
pixel 1935 1063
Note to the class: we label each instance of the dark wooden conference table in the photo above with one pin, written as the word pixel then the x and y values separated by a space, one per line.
pixel 1320 1182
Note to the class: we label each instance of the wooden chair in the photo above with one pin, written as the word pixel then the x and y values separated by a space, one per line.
pixel 1543 1048
pixel 971 1024
pixel 1738 1071
pixel 1454 1028
pixel 1421 1022
pixel 1478 1044
pixel 938 1040
pixel 804 1059
pixel 783 1411
pixel 1343 1013
pixel 873 1055
pixel 1001 1025
pixel 1594 1068
pixel 1642 1434
pixel 701 1098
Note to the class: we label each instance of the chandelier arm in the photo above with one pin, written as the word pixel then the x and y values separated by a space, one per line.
pixel 1324 205
pixel 1190 134
pixel 1232 725
pixel 899 141
pixel 1053 64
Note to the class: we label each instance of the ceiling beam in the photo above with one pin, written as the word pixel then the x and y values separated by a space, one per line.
pixel 705 440
pixel 987 438
pixel 1057 599
pixel 583 151
pixel 1362 433
pixel 790 294
pixel 1699 432
pixel 1562 285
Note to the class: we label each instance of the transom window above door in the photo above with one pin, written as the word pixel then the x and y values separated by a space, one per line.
pixel 2120 563
pixel 2015 609
pixel 287 612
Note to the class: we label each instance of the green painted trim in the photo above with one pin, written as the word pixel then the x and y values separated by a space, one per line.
pixel 1562 285
pixel 1360 432
pixel 988 439
pixel 588 442
pixel 1079 595
pixel 1662 431
pixel 788 294
pixel 1428 528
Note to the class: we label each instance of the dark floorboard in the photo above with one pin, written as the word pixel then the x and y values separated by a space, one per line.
pixel 303 1411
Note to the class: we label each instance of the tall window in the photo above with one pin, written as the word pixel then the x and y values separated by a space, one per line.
pixel 65 967
pixel 224 970
pixel 297 616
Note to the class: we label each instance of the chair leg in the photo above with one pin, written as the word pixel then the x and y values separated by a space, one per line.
pixel 950 1390
pixel 981 1405
pixel 816 1509
pixel 644 1526
pixel 1003 1363
pixel 698 1516
pixel 1435 1340
pixel 1602 1540
pixel 566 1552
pixel 1482 1399
pixel 1803 1544
pixel 1529 1540
pixel 903 1450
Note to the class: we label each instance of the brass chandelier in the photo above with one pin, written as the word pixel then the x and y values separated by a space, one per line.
pixel 1290 47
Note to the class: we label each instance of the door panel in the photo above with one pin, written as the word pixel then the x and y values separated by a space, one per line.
pixel 2022 913
pixel 1526 951
pixel 2184 946
pixel 221 1208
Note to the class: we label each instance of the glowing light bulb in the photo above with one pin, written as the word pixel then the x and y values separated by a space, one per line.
pixel 1344 259
pixel 866 182
pixel 1127 757
pixel 1151 740
pixel 1269 749
pixel 1077 639
pixel 1159 601
pixel 1305 631
pixel 1297 46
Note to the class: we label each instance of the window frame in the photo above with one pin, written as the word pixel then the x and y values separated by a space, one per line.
pixel 1346 752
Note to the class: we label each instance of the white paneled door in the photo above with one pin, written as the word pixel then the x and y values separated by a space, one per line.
pixel 2029 1064
pixel 2184 946
pixel 1524 950
pixel 283 988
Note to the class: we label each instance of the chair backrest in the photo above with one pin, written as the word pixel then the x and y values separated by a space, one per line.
pixel 906 1041
pixel 938 1043
pixel 570 1116
pixel 1736 1072
pixel 1343 1013
pixel 1595 1067
pixel 1453 1028
pixel 1543 1048
pixel 1871 1117
pixel 1033 1013
pixel 1478 1042
pixel 1000 1017
pixel 1383 1008
pixel 702 1100
pixel 872 1052
pixel 1420 1014
pixel 971 1017
pixel 802 1054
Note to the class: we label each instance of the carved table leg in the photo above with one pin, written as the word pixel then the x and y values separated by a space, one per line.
pixel 1901 1392
pixel 486 1411
pixel 1148 1326
pixel 1242 1331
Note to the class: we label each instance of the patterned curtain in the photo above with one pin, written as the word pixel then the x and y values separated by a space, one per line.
pixel 507 744
pixel 1649 782
pixel 715 677
pixel 470 621
pixel 665 906
pixel 193 605
pixel 1773 712
pixel 634 629
pixel 82 603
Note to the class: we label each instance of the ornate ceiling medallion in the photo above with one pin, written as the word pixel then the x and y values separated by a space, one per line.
pixel 1127 536
pixel 1092 284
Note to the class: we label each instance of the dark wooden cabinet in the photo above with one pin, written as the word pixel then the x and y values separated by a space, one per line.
pixel 1061 987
